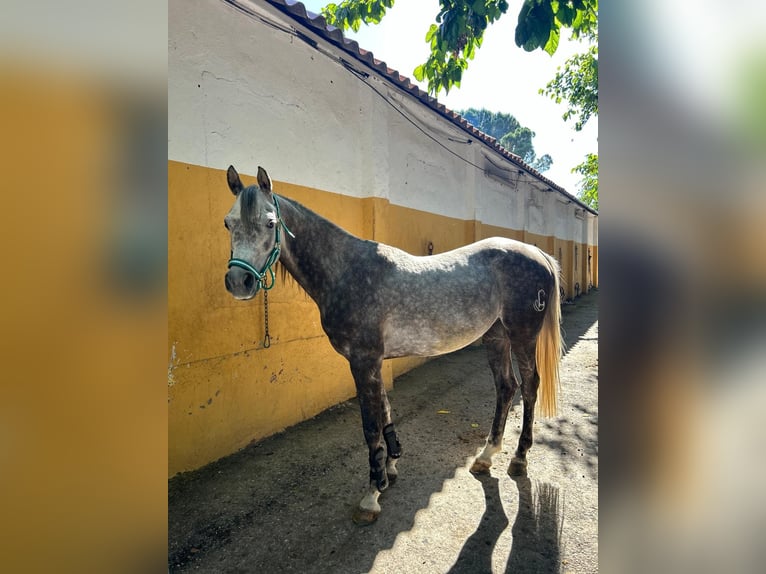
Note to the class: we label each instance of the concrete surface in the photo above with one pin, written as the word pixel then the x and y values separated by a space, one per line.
pixel 285 504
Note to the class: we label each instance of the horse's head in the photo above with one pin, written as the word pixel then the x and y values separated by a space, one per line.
pixel 254 225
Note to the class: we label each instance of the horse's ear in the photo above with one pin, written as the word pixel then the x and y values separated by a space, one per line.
pixel 235 184
pixel 264 181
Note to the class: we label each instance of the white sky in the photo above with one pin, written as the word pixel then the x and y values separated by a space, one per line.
pixel 501 78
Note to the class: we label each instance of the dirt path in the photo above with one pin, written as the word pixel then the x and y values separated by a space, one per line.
pixel 285 504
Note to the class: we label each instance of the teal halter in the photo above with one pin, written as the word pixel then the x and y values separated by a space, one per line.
pixel 260 277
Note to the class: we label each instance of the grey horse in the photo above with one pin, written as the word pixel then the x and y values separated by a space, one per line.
pixel 378 302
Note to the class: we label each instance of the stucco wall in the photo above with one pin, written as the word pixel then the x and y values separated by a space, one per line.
pixel 243 92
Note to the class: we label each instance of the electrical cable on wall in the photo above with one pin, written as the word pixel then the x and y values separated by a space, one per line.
pixel 529 179
pixel 358 74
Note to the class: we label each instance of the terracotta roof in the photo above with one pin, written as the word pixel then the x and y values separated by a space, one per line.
pixel 317 24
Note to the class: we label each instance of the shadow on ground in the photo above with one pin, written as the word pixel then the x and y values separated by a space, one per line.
pixel 536 530
pixel 285 504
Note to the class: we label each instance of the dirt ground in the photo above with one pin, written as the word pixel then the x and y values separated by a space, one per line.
pixel 285 504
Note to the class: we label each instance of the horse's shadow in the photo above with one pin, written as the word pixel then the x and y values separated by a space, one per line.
pixel 536 542
pixel 537 529
pixel 476 554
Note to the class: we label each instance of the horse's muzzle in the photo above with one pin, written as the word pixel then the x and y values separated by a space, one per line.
pixel 240 283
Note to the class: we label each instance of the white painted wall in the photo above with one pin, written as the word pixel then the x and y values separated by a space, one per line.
pixel 594 226
pixel 499 203
pixel 244 93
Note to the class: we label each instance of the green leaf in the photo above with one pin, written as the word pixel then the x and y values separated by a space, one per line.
pixel 543 23
pixel 419 72
pixel 534 26
pixel 565 14
pixel 522 27
pixel 461 23
pixel 578 20
pixel 553 41
pixel 431 31
pixel 470 51
pixel 479 7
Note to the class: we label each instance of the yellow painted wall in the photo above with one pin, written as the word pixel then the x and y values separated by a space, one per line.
pixel 585 277
pixel 594 264
pixel 487 231
pixel 224 388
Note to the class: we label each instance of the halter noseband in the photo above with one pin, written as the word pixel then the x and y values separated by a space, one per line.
pixel 260 277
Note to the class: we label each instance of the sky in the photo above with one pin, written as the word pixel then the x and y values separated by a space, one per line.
pixel 501 78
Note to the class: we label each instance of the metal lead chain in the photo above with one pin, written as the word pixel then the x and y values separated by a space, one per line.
pixel 266 337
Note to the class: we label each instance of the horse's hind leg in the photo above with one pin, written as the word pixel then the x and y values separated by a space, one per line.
pixel 498 347
pixel 530 381
pixel 369 390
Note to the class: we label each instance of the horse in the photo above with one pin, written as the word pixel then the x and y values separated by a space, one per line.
pixel 378 302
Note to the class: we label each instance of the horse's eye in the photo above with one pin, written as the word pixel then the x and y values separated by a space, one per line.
pixel 271 224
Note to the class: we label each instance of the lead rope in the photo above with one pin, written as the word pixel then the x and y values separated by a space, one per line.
pixel 266 337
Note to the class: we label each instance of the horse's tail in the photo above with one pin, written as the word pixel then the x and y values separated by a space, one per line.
pixel 550 348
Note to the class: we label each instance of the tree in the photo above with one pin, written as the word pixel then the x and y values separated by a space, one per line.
pixel 510 133
pixel 589 182
pixel 460 25
pixel 459 32
pixel 578 85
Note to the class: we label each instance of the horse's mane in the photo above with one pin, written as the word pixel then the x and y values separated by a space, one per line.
pixel 284 275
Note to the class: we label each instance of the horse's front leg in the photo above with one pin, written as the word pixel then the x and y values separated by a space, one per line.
pixel 369 390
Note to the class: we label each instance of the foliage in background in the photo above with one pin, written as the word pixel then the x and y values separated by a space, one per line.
pixel 460 25
pixel 459 32
pixel 510 134
pixel 577 84
pixel 589 182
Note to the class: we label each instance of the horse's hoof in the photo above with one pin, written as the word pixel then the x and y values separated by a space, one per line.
pixel 364 517
pixel 391 471
pixel 518 467
pixel 480 467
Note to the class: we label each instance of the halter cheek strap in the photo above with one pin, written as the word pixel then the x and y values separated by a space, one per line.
pixel 260 276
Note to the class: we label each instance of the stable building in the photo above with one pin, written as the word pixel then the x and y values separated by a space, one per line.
pixel 263 82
